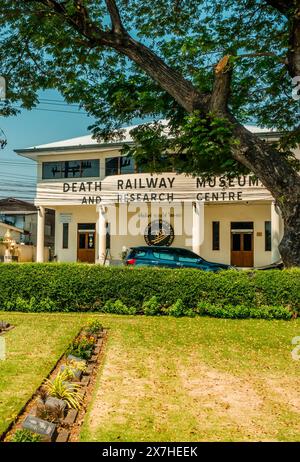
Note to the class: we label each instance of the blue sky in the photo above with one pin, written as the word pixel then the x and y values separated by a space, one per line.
pixel 31 128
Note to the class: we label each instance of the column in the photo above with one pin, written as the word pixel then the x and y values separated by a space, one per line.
pixel 198 226
pixel 276 232
pixel 101 234
pixel 40 234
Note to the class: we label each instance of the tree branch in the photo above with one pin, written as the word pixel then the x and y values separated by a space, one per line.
pixel 221 88
pixel 117 25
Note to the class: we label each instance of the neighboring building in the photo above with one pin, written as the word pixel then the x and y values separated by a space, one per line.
pixel 15 232
pixel 23 215
pixel 97 194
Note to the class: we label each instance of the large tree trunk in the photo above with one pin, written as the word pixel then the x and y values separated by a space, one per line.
pixel 289 247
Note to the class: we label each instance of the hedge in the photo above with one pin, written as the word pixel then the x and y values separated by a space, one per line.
pixel 81 287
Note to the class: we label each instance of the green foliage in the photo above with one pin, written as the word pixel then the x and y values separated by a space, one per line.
pixel 117 307
pixel 82 347
pixel 190 36
pixel 177 309
pixel 114 289
pixel 26 436
pixel 151 307
pixel 33 304
pixel 94 327
pixel 243 312
pixel 60 388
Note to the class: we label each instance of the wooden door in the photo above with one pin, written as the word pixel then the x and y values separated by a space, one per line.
pixel 86 246
pixel 242 249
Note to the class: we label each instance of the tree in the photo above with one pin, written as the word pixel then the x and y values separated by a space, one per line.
pixel 208 67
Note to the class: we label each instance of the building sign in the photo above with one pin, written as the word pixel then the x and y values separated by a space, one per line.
pixel 65 217
pixel 152 188
pixel 159 232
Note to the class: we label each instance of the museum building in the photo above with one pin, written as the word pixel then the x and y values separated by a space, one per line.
pixel 103 204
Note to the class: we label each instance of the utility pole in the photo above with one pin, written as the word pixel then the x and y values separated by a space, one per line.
pixel 3 140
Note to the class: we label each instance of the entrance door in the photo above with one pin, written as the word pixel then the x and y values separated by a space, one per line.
pixel 242 249
pixel 86 243
pixel 242 253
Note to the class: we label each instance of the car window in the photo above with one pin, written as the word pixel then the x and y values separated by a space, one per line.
pixel 186 256
pixel 140 253
pixel 163 255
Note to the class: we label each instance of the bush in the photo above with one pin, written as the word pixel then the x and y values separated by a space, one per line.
pixel 243 312
pixel 120 290
pixel 26 436
pixel 117 307
pixel 151 307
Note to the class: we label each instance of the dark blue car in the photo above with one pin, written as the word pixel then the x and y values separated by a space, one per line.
pixel 170 257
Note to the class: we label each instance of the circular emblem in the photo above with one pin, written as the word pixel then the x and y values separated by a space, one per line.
pixel 159 232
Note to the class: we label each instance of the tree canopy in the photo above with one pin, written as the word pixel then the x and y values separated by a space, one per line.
pixel 42 47
pixel 208 67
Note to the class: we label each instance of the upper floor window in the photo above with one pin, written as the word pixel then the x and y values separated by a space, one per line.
pixel 71 169
pixel 120 166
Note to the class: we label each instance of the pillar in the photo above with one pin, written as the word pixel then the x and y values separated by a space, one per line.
pixel 40 234
pixel 276 232
pixel 198 226
pixel 101 235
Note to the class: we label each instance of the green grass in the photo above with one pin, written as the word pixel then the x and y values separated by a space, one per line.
pixel 33 347
pixel 166 379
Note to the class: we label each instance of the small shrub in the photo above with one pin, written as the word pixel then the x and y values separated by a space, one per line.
pixel 82 347
pixel 61 389
pixel 243 312
pixel 94 327
pixel 117 307
pixel 177 309
pixel 26 436
pixel 151 307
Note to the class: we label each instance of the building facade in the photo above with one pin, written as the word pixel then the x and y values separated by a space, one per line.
pixel 104 205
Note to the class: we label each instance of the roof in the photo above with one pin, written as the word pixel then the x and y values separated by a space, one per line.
pixel 12 205
pixel 87 142
pixel 11 227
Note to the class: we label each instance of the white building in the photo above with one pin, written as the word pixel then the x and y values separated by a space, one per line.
pixel 103 205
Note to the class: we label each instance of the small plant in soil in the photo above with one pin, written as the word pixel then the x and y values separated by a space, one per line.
pixel 60 388
pixel 26 436
pixel 79 365
pixel 94 327
pixel 82 347
pixel 54 414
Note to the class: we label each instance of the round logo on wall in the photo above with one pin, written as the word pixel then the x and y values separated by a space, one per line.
pixel 159 232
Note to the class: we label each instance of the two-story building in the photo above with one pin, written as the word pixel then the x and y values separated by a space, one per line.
pixel 103 204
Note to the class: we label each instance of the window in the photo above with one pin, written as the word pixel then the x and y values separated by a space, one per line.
pixel 216 235
pixel 112 166
pixel 119 166
pixel 242 225
pixel 163 255
pixel 268 239
pixel 86 226
pixel 139 254
pixel 70 169
pixel 65 244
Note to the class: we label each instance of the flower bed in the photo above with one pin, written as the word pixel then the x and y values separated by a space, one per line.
pixel 55 410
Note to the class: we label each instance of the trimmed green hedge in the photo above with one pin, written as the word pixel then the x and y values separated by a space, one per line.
pixel 80 287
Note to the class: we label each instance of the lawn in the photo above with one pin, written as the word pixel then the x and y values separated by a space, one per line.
pixel 33 348
pixel 167 379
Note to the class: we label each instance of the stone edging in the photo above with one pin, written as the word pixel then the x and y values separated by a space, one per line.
pixel 68 428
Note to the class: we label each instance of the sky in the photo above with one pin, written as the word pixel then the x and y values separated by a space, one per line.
pixel 43 125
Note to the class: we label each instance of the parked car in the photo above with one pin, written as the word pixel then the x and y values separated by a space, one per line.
pixel 170 257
